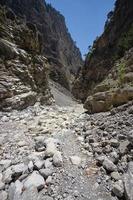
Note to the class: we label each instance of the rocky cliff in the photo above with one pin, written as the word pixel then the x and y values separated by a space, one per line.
pixel 57 44
pixel 109 54
pixel 23 71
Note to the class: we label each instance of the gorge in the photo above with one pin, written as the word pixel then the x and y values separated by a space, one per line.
pixel 65 124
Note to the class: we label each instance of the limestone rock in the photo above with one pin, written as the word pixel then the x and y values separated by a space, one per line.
pixel 34 179
pixel 57 159
pixel 75 160
pixel 128 182
pixel 118 188
pixel 109 165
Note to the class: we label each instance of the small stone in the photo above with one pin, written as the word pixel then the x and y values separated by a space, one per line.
pixel 109 165
pixel 19 169
pixel 114 143
pixel 30 166
pixel 30 194
pixel 22 144
pixel 15 190
pixel 100 159
pixel 2 185
pixel 50 147
pixel 45 197
pixel 49 180
pixel 80 139
pixel 48 163
pixel 130 137
pixel 116 176
pixel 4 164
pixel 114 157
pixel 7 175
pixel 3 195
pixel 76 160
pixel 123 148
pixel 34 179
pixel 76 193
pixel 128 182
pixel 46 172
pixel 39 164
pixel 118 189
pixel 57 159
pixel 5 119
pixel 1 176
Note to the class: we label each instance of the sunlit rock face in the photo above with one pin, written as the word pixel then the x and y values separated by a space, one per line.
pixel 23 70
pixel 107 49
pixel 108 65
pixel 58 46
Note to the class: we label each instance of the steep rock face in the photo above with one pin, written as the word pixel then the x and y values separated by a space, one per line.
pixel 23 72
pixel 58 46
pixel 107 49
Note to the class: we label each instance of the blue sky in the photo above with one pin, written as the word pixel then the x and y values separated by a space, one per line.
pixel 85 19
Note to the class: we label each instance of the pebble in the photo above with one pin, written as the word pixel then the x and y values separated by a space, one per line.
pixel 109 165
pixel 3 195
pixel 57 159
pixel 118 188
pixel 46 172
pixel 76 160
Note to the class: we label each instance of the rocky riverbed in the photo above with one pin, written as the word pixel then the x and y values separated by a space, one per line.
pixel 56 153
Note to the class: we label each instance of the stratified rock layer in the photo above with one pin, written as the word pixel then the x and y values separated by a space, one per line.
pixel 23 72
pixel 57 44
pixel 100 72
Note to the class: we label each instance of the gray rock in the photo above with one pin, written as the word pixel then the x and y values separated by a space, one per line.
pixel 1 176
pixel 48 163
pixel 30 194
pixel 3 195
pixel 44 197
pixel 39 164
pixel 100 159
pixel 118 189
pixel 50 147
pixel 30 166
pixel 4 164
pixel 114 157
pixel 15 190
pixel 7 175
pixel 19 169
pixel 46 172
pixel 116 176
pixel 109 165
pixel 128 182
pixel 123 148
pixel 76 160
pixel 114 143
pixel 39 145
pixel 34 179
pixel 57 159
pixel 130 137
pixel 2 185
pixel 49 180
